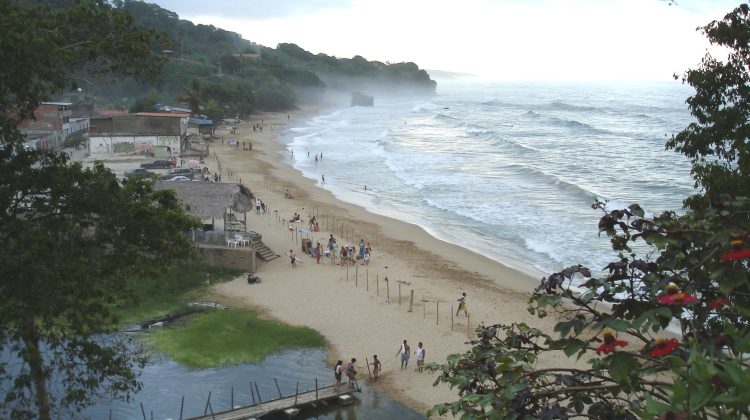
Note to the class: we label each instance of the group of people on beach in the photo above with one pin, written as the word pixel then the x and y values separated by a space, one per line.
pixel 351 374
pixel 314 226
pixel 348 255
pixel 342 256
pixel 404 353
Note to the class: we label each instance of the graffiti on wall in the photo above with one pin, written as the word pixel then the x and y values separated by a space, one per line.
pixel 123 148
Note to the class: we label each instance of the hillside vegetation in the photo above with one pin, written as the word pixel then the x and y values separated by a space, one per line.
pixel 228 75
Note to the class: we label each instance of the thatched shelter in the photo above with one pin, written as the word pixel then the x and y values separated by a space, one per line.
pixel 209 200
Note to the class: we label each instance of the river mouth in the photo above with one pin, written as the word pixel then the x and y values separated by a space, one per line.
pixel 166 382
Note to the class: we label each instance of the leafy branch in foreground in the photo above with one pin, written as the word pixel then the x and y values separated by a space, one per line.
pixel 70 236
pixel 661 334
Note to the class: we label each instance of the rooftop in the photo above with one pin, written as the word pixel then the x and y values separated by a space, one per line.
pixel 209 200
pixel 163 114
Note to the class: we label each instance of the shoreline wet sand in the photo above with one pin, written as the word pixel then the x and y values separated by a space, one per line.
pixel 357 311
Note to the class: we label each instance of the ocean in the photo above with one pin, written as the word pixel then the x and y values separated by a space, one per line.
pixel 508 170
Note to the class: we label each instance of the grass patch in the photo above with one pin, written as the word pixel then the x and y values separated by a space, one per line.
pixel 230 337
pixel 174 287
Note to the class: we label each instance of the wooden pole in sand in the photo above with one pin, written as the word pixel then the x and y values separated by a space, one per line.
pixel 468 328
pixel 347 273
pixel 368 368
pixel 356 275
pixel 387 290
pixel 411 300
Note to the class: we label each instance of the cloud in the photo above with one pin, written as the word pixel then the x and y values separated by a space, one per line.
pixel 504 39
pixel 251 9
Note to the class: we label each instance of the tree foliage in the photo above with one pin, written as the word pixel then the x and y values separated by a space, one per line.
pixel 693 276
pixel 68 235
pixel 192 96
pixel 267 83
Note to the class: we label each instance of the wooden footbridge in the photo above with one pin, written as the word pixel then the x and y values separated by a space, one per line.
pixel 318 396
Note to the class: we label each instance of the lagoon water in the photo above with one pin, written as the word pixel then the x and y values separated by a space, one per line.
pixel 508 170
pixel 165 382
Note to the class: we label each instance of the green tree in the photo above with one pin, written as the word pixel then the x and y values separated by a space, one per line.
pixel 146 103
pixel 192 96
pixel 693 274
pixel 717 140
pixel 69 236
pixel 214 111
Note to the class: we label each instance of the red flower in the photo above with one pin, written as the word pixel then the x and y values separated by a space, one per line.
pixel 664 347
pixel 676 297
pixel 736 255
pixel 718 303
pixel 679 298
pixel 610 343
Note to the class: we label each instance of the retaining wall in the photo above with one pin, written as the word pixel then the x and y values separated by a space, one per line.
pixel 240 258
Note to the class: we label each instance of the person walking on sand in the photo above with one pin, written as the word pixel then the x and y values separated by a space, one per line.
pixel 334 253
pixel 462 305
pixel 404 351
pixel 337 373
pixel 375 367
pixel 293 257
pixel 351 373
pixel 318 252
pixel 420 353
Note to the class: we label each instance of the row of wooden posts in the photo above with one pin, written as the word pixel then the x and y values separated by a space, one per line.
pixel 346 231
pixel 330 224
pixel 229 174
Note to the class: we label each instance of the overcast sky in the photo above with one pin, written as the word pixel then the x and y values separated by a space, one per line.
pixel 499 39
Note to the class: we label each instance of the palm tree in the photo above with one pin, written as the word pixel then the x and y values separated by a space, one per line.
pixel 192 96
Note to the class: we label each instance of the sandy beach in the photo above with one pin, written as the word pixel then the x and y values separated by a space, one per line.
pixel 358 312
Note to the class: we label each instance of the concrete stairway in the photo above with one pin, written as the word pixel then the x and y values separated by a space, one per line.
pixel 264 252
